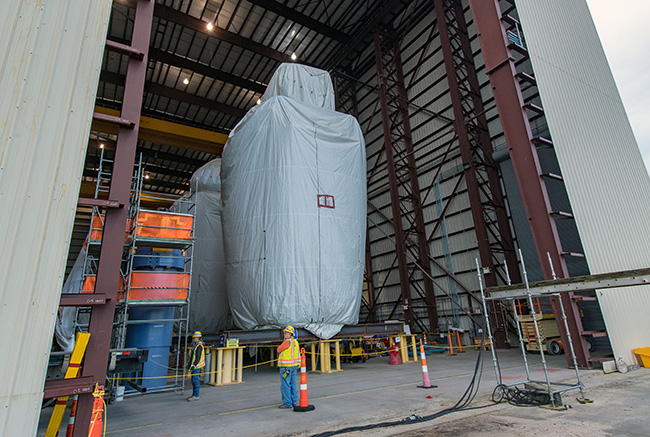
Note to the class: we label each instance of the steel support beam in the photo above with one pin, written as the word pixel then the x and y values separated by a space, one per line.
pixel 198 25
pixel 480 173
pixel 410 238
pixel 205 70
pixel 500 68
pixel 304 20
pixel 368 29
pixel 176 94
pixel 627 278
pixel 110 258
pixel 168 133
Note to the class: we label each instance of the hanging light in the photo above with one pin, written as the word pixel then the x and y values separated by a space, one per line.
pixel 186 81
pixel 209 25
pixel 101 145
pixel 259 101
pixel 146 176
pixel 294 56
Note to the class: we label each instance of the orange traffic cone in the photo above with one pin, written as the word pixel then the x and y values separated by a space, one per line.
pixel 73 414
pixel 459 344
pixel 96 422
pixel 304 400
pixel 451 345
pixel 426 382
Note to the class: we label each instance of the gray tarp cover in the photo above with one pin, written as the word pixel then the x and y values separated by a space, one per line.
pixel 289 260
pixel 209 310
pixel 64 328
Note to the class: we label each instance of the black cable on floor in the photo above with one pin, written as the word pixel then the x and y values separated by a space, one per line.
pixel 462 404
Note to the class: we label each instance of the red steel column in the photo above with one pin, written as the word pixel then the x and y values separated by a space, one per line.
pixel 501 71
pixel 470 167
pixel 405 192
pixel 110 257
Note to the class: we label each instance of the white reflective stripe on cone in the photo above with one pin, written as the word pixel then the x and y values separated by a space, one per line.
pixel 303 386
pixel 425 369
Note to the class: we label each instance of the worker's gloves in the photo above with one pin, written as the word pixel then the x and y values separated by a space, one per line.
pixel 192 368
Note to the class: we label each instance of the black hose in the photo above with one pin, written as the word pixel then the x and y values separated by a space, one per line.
pixel 462 404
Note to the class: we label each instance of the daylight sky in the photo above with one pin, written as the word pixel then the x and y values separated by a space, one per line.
pixel 624 29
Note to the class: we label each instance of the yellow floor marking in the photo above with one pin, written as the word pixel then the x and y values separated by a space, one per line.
pixel 134 428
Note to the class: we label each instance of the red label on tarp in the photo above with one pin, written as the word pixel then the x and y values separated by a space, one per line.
pixel 325 201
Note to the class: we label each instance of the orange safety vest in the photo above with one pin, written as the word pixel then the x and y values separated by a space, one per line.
pixel 290 357
pixel 202 362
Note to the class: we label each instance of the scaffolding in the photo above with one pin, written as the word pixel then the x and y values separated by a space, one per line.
pixel 553 390
pixel 155 274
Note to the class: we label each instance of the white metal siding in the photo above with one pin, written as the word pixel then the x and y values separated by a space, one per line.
pixel 51 56
pixel 606 180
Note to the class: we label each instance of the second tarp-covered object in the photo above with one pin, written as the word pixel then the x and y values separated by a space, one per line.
pixel 294 208
pixel 209 310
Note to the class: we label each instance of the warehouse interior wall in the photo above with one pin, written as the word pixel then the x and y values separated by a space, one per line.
pixel 52 53
pixel 601 164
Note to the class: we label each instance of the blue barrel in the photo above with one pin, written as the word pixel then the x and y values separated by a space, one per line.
pixel 154 336
pixel 148 335
pixel 150 258
pixel 155 369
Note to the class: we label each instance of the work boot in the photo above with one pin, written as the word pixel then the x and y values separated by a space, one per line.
pixel 282 406
pixel 192 399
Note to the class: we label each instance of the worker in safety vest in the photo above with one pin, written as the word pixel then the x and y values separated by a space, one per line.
pixel 288 363
pixel 196 363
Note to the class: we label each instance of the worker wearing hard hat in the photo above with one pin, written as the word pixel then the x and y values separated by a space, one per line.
pixel 196 363
pixel 288 362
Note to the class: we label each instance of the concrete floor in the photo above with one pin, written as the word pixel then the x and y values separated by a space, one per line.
pixel 362 393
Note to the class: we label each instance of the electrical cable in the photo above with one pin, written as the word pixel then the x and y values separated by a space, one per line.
pixel 462 404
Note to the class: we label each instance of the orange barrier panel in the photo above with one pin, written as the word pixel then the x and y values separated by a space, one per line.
pixel 149 286
pixel 157 285
pixel 150 224
pixel 164 225
pixel 89 284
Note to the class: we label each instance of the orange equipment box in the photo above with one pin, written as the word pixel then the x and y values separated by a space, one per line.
pixel 150 286
pixel 164 225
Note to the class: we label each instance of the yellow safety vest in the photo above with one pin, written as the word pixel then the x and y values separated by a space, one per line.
pixel 290 357
pixel 202 362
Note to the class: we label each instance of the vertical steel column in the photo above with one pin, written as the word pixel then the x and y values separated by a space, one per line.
pixel 110 257
pixel 408 220
pixel 370 286
pixel 501 71
pixel 481 176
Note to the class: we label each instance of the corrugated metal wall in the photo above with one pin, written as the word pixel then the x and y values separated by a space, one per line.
pixel 51 52
pixel 604 173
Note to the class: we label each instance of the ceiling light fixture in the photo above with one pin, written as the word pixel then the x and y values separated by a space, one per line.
pixel 186 81
pixel 294 57
pixel 293 33
pixel 259 101
pixel 101 145
pixel 209 26
pixel 146 176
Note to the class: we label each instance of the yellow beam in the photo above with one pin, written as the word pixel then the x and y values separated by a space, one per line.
pixel 157 200
pixel 73 369
pixel 168 133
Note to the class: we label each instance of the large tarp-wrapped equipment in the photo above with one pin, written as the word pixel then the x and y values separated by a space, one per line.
pixel 294 208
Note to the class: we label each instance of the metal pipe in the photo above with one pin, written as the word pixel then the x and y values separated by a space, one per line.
pixel 487 324
pixel 521 338
pixel 534 316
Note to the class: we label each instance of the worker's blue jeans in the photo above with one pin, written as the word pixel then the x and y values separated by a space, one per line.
pixel 195 382
pixel 288 386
